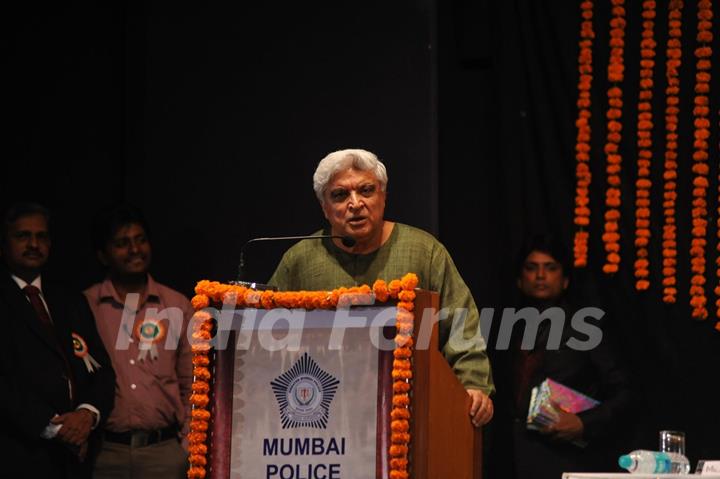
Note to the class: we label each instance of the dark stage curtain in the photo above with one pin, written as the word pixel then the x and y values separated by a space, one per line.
pixel 507 109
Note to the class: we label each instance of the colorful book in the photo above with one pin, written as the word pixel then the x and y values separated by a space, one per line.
pixel 541 412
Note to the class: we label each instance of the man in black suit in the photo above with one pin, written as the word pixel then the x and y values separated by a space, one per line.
pixel 57 380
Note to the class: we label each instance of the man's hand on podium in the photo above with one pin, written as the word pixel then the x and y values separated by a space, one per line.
pixel 481 408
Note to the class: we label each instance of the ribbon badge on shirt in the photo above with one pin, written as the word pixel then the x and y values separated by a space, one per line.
pixel 80 348
pixel 149 332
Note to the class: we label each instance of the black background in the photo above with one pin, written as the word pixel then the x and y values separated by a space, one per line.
pixel 212 118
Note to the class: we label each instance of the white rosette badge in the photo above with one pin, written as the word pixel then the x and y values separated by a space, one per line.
pixel 149 332
pixel 80 348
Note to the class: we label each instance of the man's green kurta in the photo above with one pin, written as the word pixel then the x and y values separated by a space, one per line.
pixel 313 265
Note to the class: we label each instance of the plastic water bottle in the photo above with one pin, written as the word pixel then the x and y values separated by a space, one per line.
pixel 654 462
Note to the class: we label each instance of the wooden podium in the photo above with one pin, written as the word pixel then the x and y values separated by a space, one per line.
pixel 444 443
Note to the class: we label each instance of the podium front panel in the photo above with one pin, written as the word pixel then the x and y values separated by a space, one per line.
pixel 303 404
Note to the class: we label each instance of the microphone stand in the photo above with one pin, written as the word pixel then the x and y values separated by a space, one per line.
pixel 347 241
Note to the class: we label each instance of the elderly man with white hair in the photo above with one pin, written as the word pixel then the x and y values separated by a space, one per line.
pixel 351 186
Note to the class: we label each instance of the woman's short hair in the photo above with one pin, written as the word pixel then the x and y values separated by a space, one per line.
pixel 341 160
pixel 548 244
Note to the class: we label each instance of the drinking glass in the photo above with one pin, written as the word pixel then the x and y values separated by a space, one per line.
pixel 672 441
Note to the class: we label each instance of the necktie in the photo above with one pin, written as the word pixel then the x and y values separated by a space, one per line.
pixel 527 363
pixel 36 301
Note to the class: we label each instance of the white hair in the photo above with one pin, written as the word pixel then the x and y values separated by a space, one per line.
pixel 342 160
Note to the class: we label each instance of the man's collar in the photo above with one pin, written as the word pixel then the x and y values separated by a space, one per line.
pixel 37 282
pixel 108 292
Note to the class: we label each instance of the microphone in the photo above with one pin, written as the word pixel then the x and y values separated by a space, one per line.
pixel 347 241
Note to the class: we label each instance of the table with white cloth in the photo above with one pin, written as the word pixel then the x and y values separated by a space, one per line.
pixel 611 475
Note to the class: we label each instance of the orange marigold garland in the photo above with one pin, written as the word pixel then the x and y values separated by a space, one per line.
pixel 582 148
pixel 200 415
pixel 672 110
pixel 402 290
pixel 701 112
pixel 402 377
pixel 616 74
pixel 644 143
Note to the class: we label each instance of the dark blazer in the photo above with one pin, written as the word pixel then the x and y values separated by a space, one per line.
pixel 34 379
pixel 598 373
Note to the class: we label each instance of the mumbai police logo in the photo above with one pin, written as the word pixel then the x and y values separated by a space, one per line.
pixel 304 393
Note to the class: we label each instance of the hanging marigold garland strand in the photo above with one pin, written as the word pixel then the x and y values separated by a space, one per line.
pixel 582 148
pixel 644 143
pixel 202 325
pixel 402 290
pixel 672 110
pixel 616 71
pixel 401 375
pixel 701 112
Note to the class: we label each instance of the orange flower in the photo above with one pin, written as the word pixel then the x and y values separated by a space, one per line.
pixel 196 473
pixel 399 374
pixel 409 282
pixel 201 336
pixel 407 295
pixel 401 387
pixel 394 288
pixel 403 342
pixel 200 387
pixel 401 400
pixel 401 364
pixel 200 301
pixel 698 302
pixel 197 438
pixel 400 413
pixel 380 290
pixel 402 352
pixel 200 414
pixel 197 449
pixel 610 268
pixel 400 425
pixel 200 347
pixel 252 297
pixel 201 286
pixel 406 306
pixel 201 360
pixel 397 463
pixel 397 450
pixel 198 425
pixel 199 400
pixel 202 373
pixel 266 299
pixel 399 438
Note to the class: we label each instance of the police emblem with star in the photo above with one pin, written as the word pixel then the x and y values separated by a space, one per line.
pixel 304 393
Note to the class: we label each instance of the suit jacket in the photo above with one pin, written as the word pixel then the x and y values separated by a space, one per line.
pixel 598 373
pixel 34 380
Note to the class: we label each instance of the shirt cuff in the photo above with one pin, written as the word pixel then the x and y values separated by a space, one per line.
pixel 50 430
pixel 93 409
